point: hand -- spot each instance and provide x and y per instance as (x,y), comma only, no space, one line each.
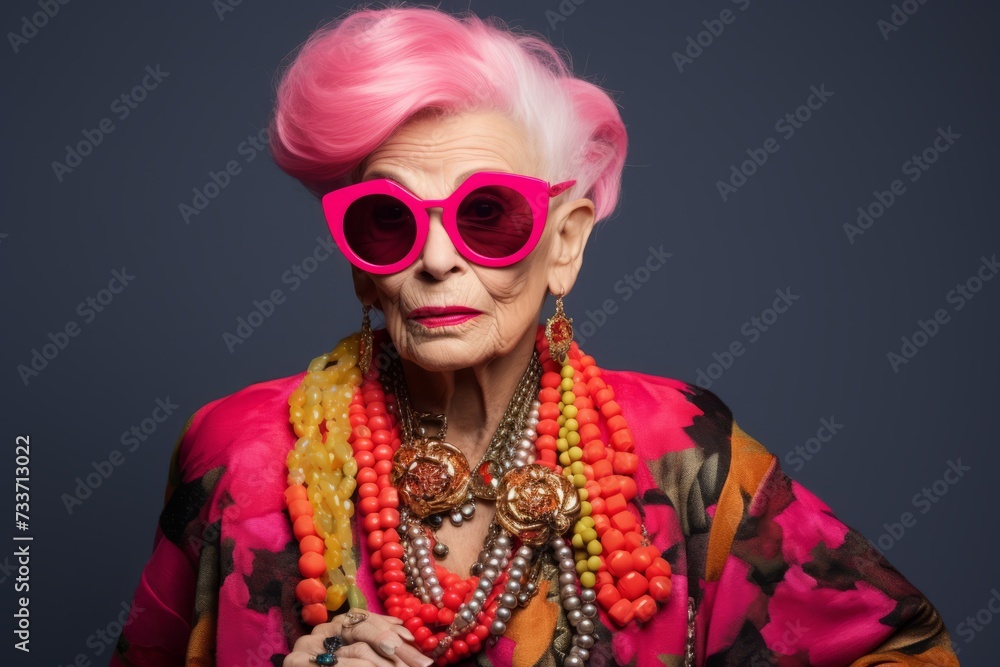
(379,641)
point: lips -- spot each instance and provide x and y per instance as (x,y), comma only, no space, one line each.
(434,316)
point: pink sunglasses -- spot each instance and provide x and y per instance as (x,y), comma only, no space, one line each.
(494,219)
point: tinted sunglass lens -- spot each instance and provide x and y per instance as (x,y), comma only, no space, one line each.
(495,221)
(380,229)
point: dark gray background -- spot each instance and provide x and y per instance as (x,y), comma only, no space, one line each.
(825,357)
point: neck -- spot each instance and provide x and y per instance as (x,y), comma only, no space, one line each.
(473,399)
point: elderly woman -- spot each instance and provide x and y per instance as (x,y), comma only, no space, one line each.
(466,485)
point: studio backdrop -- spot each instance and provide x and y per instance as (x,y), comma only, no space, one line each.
(807,228)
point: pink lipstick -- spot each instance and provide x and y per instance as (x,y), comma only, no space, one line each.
(433,317)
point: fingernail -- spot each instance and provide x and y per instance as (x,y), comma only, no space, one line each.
(387,648)
(406,634)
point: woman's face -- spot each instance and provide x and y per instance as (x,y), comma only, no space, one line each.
(431,156)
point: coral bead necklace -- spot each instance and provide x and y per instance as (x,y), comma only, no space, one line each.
(567,487)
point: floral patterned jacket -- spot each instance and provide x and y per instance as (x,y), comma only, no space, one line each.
(774,578)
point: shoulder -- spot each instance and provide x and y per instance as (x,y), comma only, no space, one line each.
(249,423)
(682,431)
(677,404)
(694,450)
(229,460)
(672,415)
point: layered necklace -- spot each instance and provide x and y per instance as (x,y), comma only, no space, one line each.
(434,475)
(559,468)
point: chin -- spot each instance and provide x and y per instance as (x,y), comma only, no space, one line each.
(439,354)
(451,348)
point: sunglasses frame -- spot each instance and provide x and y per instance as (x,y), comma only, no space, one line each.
(536,192)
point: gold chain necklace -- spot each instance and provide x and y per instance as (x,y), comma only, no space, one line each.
(433,476)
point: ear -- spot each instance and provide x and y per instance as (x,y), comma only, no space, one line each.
(364,287)
(573,220)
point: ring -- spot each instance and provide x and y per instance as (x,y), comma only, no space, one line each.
(354,618)
(328,657)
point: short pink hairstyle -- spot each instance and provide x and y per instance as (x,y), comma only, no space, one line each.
(357,80)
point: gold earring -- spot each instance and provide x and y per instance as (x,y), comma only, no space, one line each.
(559,332)
(367,340)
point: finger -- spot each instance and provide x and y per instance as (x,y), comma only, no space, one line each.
(362,651)
(300,658)
(407,655)
(305,648)
(351,618)
(393,622)
(350,662)
(328,629)
(339,622)
(404,654)
(411,656)
(371,631)
(303,660)
(388,644)
(309,644)
(388,641)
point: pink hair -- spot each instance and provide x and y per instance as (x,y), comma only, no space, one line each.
(357,80)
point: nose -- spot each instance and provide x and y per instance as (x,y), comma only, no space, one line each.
(439,257)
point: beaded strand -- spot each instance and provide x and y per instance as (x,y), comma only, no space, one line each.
(613,556)
(349,430)
(321,478)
